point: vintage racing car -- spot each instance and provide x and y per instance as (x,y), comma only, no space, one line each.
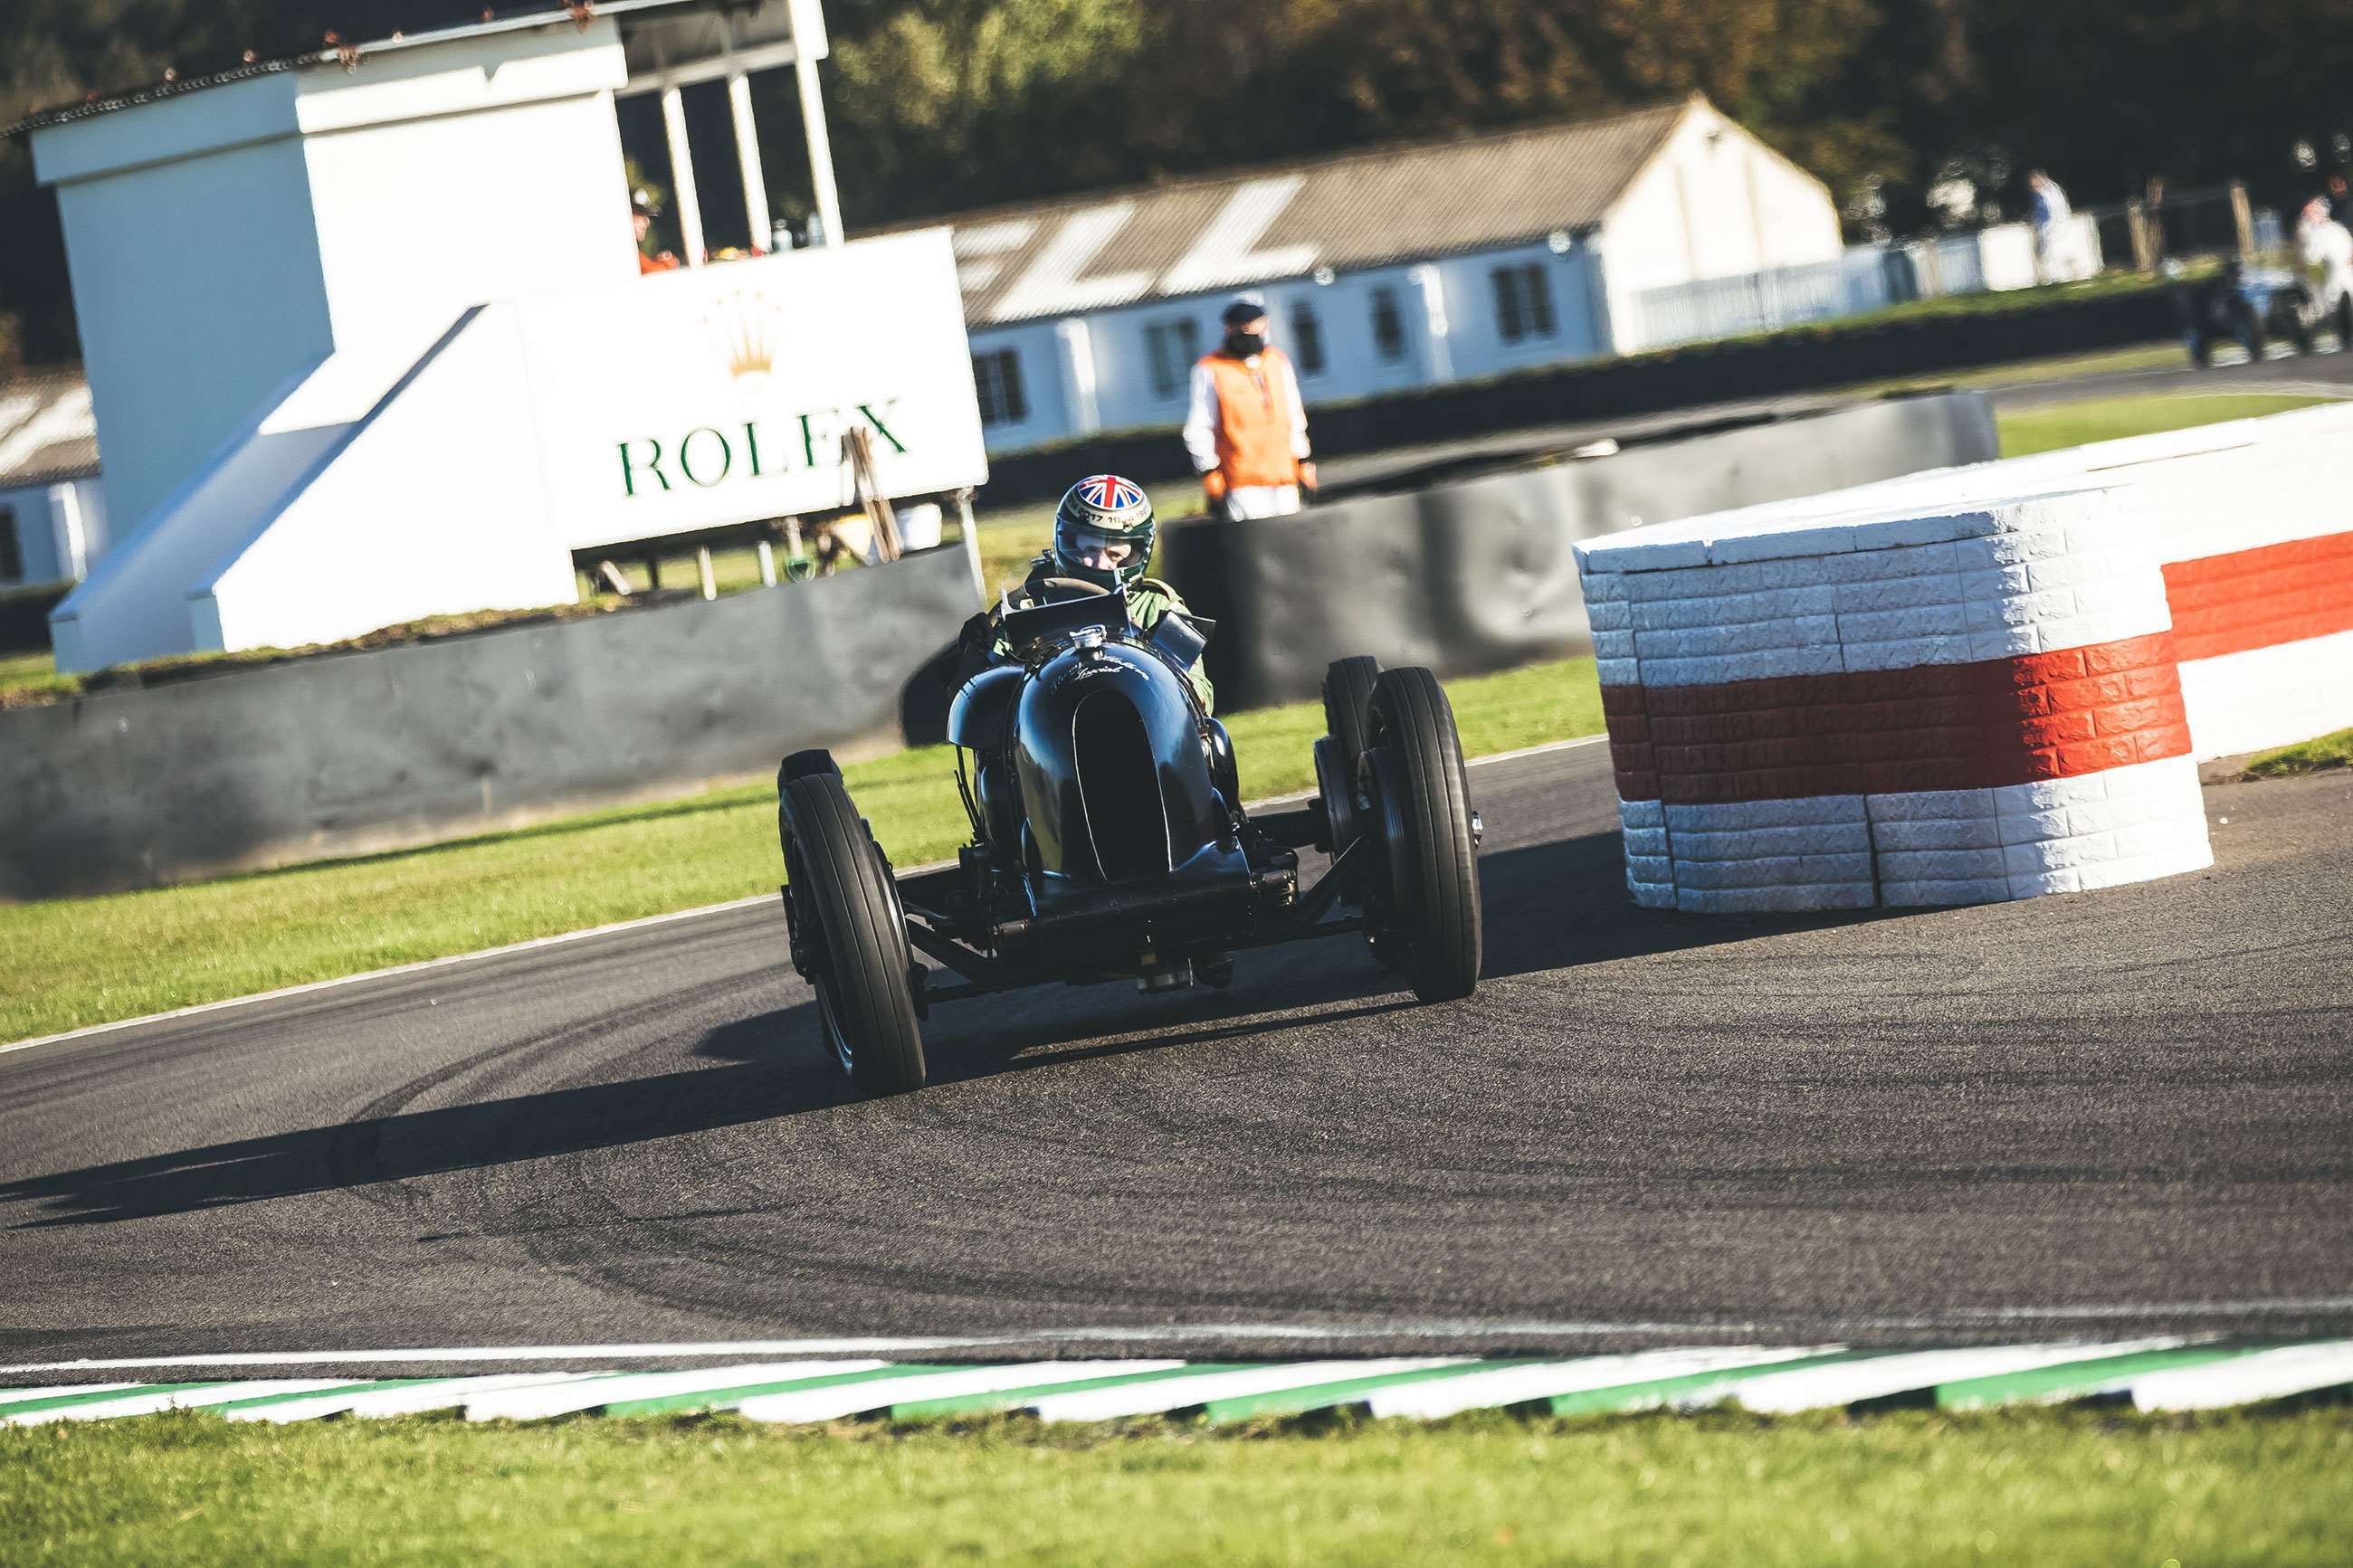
(2253,305)
(1110,841)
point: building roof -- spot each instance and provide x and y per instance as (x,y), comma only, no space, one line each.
(543,13)
(46,433)
(1376,207)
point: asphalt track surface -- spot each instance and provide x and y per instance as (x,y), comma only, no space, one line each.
(2118,1111)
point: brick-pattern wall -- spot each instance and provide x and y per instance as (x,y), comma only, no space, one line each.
(1927,705)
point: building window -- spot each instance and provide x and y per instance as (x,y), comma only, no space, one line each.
(1388,325)
(1173,346)
(12,554)
(997,376)
(1307,339)
(1523,301)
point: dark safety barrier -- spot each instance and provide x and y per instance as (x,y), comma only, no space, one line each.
(1799,360)
(348,754)
(1481,576)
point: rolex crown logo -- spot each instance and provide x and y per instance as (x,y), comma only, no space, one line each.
(745,328)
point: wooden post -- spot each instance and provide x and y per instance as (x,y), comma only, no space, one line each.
(968,532)
(858,451)
(2242,217)
(702,570)
(767,564)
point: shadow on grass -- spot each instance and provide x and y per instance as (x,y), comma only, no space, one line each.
(1548,907)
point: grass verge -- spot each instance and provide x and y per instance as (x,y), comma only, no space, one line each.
(2305,757)
(75,962)
(2046,429)
(2048,1487)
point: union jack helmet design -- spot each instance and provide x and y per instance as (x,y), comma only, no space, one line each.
(1104,532)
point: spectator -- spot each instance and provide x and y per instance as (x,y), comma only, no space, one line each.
(2325,247)
(2340,201)
(1247,431)
(642,213)
(2054,238)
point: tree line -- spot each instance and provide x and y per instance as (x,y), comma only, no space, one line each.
(939,105)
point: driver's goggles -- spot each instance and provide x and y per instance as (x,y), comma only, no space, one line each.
(1091,541)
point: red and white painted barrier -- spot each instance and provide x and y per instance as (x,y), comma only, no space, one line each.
(2253,522)
(1956,707)
(1980,684)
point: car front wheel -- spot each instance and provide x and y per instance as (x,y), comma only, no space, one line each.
(850,935)
(1426,914)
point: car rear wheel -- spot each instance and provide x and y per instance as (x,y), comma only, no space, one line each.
(1426,913)
(850,935)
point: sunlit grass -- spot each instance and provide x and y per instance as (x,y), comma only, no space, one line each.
(74,962)
(2049,1487)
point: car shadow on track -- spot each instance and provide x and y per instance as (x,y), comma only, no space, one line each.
(1564,905)
(1547,906)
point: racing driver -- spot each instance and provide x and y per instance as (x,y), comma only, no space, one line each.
(1102,534)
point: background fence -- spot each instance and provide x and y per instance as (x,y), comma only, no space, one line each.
(2120,237)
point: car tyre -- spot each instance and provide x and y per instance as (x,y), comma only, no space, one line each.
(2248,327)
(803,764)
(1427,912)
(850,935)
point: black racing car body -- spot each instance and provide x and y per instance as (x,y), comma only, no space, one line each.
(1110,841)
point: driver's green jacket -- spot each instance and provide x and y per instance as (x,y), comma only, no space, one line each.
(1148,599)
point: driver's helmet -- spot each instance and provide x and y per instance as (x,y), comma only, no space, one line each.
(1104,512)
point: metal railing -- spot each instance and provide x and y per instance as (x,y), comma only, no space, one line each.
(2119,236)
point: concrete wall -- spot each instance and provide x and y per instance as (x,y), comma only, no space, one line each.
(350,754)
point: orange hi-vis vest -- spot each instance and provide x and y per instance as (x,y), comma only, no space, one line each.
(1254,419)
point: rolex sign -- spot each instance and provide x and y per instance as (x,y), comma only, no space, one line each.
(693,399)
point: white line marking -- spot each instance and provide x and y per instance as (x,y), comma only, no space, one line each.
(439,1394)
(1518,1385)
(853,1399)
(1841,1383)
(615,928)
(1450,1330)
(2273,1375)
(1184,1392)
(593,1393)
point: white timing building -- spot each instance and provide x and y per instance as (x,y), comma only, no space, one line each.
(366,340)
